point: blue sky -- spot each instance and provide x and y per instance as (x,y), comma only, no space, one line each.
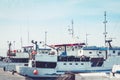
(17,17)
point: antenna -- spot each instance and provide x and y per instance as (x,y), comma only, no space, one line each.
(28,34)
(71,30)
(45,38)
(105,21)
(87,39)
(21,42)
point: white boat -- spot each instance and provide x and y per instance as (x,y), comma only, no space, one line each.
(81,59)
(16,57)
(36,64)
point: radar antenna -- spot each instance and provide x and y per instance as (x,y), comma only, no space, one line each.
(71,30)
(105,21)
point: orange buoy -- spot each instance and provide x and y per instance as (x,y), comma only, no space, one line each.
(35,72)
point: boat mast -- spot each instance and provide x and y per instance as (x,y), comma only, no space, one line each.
(45,38)
(21,42)
(86,39)
(105,21)
(71,29)
(28,34)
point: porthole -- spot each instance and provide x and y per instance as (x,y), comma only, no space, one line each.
(118,53)
(72,49)
(70,63)
(76,63)
(90,52)
(113,51)
(82,64)
(64,64)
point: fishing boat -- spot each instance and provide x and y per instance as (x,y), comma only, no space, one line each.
(70,58)
(16,57)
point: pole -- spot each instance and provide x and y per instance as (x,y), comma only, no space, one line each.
(86,39)
(28,34)
(105,21)
(45,38)
(72,29)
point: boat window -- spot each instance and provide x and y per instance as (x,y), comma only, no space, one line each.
(33,63)
(113,51)
(80,47)
(98,55)
(43,52)
(76,63)
(62,58)
(19,60)
(72,49)
(82,64)
(118,53)
(40,64)
(76,47)
(90,52)
(70,58)
(77,59)
(64,64)
(19,51)
(25,64)
(84,58)
(70,63)
(100,52)
(25,50)
(97,62)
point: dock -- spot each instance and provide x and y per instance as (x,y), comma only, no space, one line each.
(95,76)
(89,76)
(7,75)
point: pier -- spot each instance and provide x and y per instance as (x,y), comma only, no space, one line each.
(7,75)
(96,76)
